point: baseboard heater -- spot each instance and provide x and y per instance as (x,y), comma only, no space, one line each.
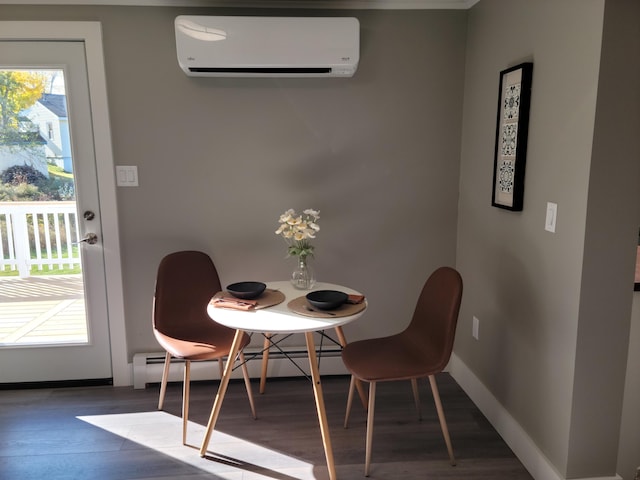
(147,367)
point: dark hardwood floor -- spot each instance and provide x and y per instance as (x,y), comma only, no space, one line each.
(117,433)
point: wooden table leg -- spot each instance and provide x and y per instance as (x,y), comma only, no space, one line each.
(222,389)
(266,346)
(361,391)
(322,414)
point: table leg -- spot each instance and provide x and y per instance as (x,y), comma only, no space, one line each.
(266,346)
(361,391)
(322,414)
(222,389)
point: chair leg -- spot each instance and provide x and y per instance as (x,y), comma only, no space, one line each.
(247,384)
(416,396)
(265,362)
(221,366)
(372,401)
(352,386)
(165,378)
(185,400)
(443,422)
(343,342)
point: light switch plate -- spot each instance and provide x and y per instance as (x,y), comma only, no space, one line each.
(126,176)
(552,213)
(475,329)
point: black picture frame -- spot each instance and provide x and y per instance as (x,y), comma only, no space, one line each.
(514,101)
(636,285)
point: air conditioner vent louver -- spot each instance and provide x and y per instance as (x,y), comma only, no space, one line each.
(259,70)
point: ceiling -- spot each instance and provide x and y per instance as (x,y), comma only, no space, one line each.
(329,4)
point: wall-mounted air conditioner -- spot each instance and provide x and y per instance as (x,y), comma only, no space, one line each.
(227,46)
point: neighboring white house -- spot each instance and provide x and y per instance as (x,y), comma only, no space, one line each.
(27,148)
(50,115)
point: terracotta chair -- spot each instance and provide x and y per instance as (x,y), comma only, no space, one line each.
(422,350)
(185,283)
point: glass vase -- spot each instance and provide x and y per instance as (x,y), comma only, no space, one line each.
(303,277)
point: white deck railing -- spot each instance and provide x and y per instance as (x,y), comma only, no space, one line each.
(35,234)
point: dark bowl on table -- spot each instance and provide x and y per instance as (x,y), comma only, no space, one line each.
(327,299)
(246,290)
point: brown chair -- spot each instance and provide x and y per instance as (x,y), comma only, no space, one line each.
(421,350)
(185,283)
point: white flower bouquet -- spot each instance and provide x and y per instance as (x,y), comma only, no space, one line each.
(297,230)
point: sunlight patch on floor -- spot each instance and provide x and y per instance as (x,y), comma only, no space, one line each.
(228,457)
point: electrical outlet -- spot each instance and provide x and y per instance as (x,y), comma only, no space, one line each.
(476,328)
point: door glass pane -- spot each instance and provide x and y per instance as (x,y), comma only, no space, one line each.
(41,284)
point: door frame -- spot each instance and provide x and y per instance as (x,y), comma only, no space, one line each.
(91,34)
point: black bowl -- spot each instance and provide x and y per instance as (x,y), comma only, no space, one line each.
(327,299)
(246,290)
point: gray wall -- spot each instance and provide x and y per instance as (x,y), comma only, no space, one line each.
(623,27)
(610,248)
(554,309)
(629,445)
(522,282)
(220,159)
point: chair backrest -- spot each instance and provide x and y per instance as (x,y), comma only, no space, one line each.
(185,283)
(433,326)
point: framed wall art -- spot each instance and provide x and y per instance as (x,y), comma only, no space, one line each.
(514,100)
(636,285)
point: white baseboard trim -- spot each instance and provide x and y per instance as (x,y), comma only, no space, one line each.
(147,367)
(509,429)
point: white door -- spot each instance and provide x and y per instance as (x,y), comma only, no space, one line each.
(87,356)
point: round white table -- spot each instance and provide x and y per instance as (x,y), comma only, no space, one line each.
(276,320)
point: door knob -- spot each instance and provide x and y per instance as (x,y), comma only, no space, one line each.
(90,238)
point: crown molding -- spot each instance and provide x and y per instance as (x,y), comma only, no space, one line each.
(315,4)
